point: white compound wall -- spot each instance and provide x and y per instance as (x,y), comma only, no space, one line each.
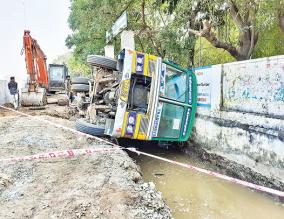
(241,113)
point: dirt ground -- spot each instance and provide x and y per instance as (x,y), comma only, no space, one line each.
(103,185)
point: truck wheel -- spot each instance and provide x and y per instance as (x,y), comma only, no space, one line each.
(80,87)
(83,126)
(102,61)
(80,80)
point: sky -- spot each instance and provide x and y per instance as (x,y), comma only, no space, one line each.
(47,21)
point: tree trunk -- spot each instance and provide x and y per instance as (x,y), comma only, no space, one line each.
(247,42)
(190,61)
(281,20)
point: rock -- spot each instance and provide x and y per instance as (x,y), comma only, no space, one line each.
(152,185)
(136,177)
(63,102)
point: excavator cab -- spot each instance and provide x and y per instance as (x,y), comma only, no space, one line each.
(142,97)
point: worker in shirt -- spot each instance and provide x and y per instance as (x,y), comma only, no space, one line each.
(68,88)
(13,88)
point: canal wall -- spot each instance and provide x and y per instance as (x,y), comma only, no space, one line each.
(5,96)
(240,113)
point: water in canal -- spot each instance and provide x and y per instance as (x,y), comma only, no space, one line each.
(195,195)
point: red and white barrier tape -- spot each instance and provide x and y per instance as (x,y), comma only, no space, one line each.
(58,154)
(60,126)
(188,166)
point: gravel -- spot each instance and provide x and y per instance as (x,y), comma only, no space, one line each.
(103,185)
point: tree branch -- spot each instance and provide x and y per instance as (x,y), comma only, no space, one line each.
(148,30)
(194,32)
(236,15)
(140,42)
(143,14)
(253,32)
(126,6)
(208,34)
(281,19)
(211,37)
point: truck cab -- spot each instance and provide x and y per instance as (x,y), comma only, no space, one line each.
(145,98)
(56,77)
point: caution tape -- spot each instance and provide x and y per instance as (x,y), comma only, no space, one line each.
(61,126)
(188,166)
(61,154)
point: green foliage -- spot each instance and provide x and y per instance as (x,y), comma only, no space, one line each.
(89,21)
(165,31)
(271,42)
(62,59)
(162,36)
(75,66)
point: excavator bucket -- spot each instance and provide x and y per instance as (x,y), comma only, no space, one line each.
(35,98)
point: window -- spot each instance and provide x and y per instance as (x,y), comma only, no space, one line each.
(56,73)
(171,119)
(138,97)
(175,85)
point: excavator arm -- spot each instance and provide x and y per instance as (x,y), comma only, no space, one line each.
(34,94)
(35,63)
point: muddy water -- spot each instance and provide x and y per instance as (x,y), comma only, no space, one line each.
(194,195)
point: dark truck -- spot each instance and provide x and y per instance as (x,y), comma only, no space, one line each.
(56,77)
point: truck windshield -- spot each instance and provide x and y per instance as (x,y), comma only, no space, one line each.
(175,85)
(56,73)
(171,120)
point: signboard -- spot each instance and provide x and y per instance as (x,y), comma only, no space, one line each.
(117,27)
(209,86)
(203,86)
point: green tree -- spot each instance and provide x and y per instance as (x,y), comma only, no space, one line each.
(155,30)
(210,15)
(75,66)
(232,29)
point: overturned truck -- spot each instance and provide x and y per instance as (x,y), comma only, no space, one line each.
(140,96)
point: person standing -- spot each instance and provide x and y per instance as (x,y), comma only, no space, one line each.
(68,88)
(13,88)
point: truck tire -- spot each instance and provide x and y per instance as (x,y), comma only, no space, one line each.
(80,87)
(80,80)
(102,61)
(83,126)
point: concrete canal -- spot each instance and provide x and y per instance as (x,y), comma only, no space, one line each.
(194,195)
